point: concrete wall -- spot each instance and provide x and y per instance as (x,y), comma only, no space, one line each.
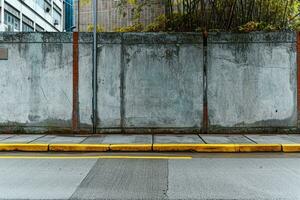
(36,80)
(109,69)
(143,81)
(252,80)
(163,82)
(150,82)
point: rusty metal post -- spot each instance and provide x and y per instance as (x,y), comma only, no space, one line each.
(205,103)
(75,112)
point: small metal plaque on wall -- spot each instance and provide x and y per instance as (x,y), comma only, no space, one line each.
(3,53)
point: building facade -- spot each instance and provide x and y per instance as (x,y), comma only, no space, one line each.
(31,15)
(111,17)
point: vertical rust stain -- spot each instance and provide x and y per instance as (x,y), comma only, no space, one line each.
(75,113)
(298,78)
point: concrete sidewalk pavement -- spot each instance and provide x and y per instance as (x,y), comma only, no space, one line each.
(147,143)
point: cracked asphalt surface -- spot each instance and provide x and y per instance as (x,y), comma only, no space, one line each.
(205,176)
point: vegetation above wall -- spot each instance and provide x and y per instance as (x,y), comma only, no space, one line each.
(214,15)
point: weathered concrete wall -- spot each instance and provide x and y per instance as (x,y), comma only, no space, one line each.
(163,81)
(144,81)
(109,69)
(151,81)
(252,80)
(35,83)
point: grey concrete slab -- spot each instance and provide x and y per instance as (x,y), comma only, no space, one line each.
(127,139)
(251,84)
(94,140)
(271,139)
(225,139)
(232,178)
(45,101)
(54,139)
(163,91)
(41,179)
(183,139)
(125,179)
(44,140)
(22,138)
(295,138)
(5,136)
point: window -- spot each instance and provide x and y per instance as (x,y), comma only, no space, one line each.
(12,10)
(38,28)
(57,16)
(27,24)
(56,7)
(12,22)
(26,28)
(45,5)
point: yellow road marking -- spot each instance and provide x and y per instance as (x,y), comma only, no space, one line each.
(99,157)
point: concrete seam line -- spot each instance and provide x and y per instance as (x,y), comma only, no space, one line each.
(152,147)
(24,147)
(79,147)
(131,147)
(152,141)
(260,147)
(291,148)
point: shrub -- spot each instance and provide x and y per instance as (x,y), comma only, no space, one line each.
(137,27)
(158,25)
(90,28)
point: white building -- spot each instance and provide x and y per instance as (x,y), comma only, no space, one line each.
(31,15)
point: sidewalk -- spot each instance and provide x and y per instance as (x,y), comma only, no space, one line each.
(145,143)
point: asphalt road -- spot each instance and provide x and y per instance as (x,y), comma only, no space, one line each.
(142,176)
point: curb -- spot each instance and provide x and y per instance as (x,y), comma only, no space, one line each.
(247,148)
(200,148)
(291,148)
(25,147)
(131,147)
(79,147)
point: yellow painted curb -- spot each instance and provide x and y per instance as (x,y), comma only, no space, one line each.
(259,147)
(131,147)
(24,147)
(174,147)
(201,148)
(217,148)
(289,148)
(79,147)
(204,148)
